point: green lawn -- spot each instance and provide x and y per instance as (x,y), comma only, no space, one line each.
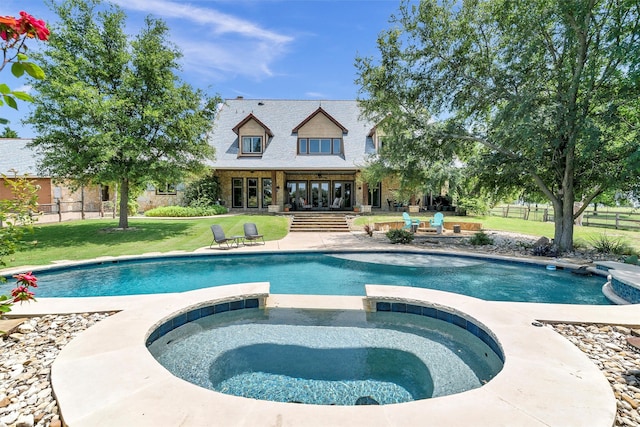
(77,240)
(87,239)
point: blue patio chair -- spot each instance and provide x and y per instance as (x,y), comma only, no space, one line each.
(437,222)
(410,224)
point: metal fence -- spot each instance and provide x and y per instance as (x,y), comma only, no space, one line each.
(604,217)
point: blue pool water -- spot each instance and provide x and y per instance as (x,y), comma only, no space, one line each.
(326,274)
(327,357)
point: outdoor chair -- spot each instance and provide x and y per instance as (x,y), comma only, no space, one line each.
(437,222)
(251,233)
(337,203)
(410,224)
(219,237)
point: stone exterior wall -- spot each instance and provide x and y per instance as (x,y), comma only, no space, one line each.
(279,191)
(149,199)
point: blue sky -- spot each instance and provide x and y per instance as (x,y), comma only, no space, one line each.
(295,49)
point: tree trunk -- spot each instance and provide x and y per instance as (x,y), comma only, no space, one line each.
(124,204)
(563,219)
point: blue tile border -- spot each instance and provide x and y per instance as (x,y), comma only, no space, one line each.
(197,313)
(625,291)
(446,316)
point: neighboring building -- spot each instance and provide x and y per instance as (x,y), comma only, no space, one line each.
(18,160)
(302,153)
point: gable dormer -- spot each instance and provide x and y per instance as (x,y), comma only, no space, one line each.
(377,136)
(253,136)
(320,134)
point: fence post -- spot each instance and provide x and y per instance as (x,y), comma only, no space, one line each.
(59,208)
(617,220)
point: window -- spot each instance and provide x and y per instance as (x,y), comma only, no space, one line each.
(236,192)
(315,146)
(267,197)
(252,192)
(251,145)
(165,189)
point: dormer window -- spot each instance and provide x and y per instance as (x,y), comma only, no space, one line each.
(321,146)
(251,145)
(253,136)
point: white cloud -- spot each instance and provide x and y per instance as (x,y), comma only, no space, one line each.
(231,47)
(221,22)
(23,88)
(315,95)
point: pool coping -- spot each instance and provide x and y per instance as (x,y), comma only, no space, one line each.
(545,381)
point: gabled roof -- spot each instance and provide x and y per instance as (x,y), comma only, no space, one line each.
(281,116)
(250,117)
(320,110)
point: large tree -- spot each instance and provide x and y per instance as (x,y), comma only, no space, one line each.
(542,91)
(113,109)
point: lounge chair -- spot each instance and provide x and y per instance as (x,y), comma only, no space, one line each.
(220,238)
(337,203)
(410,224)
(251,233)
(437,222)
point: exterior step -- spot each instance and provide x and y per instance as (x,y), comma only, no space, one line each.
(308,221)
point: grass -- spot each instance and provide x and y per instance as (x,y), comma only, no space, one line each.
(583,236)
(87,239)
(76,240)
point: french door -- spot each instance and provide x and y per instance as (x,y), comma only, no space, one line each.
(320,194)
(344,190)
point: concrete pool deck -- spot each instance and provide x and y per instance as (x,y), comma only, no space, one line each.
(555,384)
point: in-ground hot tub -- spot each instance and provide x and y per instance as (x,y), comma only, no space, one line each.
(399,353)
(107,376)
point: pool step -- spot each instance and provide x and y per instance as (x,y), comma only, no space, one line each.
(329,222)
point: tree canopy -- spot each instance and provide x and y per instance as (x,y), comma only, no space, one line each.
(113,110)
(531,94)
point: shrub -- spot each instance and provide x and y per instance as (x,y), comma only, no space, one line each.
(185,211)
(632,259)
(606,245)
(474,205)
(399,236)
(481,239)
(203,192)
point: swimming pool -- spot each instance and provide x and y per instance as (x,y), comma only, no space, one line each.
(335,273)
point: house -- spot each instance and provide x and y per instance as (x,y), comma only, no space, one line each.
(18,160)
(302,154)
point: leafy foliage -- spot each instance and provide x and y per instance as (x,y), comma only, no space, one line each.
(16,213)
(185,211)
(605,244)
(400,236)
(113,109)
(203,192)
(481,239)
(8,133)
(540,96)
(14,32)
